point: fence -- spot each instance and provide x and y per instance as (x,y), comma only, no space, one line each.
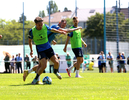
(63,66)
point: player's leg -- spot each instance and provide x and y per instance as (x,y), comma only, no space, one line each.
(70,68)
(54,59)
(51,55)
(79,62)
(27,72)
(40,70)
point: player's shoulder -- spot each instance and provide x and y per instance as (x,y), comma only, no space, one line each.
(55,26)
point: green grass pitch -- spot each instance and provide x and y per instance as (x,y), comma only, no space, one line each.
(100,86)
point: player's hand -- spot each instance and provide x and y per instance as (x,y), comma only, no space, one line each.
(64,49)
(79,27)
(85,45)
(31,53)
(54,42)
(64,33)
(0,36)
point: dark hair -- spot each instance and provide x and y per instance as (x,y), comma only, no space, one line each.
(63,20)
(38,19)
(75,18)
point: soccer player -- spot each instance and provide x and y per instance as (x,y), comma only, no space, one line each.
(39,35)
(51,36)
(76,44)
(0,36)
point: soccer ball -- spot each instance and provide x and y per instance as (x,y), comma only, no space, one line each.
(47,80)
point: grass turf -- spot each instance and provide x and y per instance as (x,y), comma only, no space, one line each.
(101,86)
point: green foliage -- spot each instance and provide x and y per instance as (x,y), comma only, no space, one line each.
(13,31)
(69,22)
(95,25)
(65,9)
(53,7)
(41,13)
(21,18)
(93,86)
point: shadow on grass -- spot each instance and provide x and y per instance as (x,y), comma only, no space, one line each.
(25,84)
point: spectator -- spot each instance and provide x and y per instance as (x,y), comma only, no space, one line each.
(128,60)
(85,63)
(91,64)
(19,61)
(68,59)
(12,63)
(51,66)
(16,68)
(35,61)
(124,59)
(99,64)
(121,62)
(6,59)
(27,60)
(110,58)
(103,62)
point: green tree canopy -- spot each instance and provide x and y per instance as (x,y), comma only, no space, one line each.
(53,7)
(95,26)
(12,31)
(41,14)
(21,18)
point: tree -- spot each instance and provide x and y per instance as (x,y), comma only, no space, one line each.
(21,18)
(12,31)
(95,26)
(41,13)
(65,9)
(53,7)
(69,22)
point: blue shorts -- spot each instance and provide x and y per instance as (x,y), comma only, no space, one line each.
(78,52)
(46,54)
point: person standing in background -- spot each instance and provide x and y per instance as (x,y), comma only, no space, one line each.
(99,64)
(68,59)
(19,65)
(103,62)
(27,60)
(110,58)
(12,63)
(121,62)
(6,59)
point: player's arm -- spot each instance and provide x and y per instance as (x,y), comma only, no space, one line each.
(30,45)
(69,30)
(54,42)
(66,43)
(58,31)
(30,36)
(84,42)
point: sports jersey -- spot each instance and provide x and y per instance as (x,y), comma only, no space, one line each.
(75,38)
(40,47)
(51,35)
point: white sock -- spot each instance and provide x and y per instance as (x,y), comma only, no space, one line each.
(77,72)
(30,70)
(70,68)
(39,78)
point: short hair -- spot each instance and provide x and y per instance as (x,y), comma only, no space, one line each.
(64,21)
(75,18)
(38,19)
